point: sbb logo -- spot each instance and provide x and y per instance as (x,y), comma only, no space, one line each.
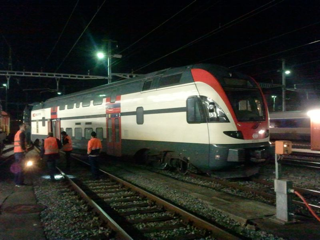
(36,114)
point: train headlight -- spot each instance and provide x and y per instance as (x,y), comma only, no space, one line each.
(234,134)
(264,133)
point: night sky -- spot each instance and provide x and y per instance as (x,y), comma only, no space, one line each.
(250,36)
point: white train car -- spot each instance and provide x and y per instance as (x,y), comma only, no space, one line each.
(290,125)
(204,115)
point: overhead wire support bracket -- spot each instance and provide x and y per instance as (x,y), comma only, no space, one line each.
(50,75)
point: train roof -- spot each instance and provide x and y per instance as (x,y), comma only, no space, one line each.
(135,84)
(288,115)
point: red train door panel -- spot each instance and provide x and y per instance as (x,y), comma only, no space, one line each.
(54,124)
(113,127)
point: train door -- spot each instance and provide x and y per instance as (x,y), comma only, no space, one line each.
(54,125)
(113,126)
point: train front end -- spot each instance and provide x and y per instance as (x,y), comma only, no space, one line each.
(237,118)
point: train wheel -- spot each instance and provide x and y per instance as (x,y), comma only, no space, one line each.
(141,156)
(180,164)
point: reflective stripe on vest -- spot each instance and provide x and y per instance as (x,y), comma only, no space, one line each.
(50,146)
(94,146)
(17,146)
(68,146)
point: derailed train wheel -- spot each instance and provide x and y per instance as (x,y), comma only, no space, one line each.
(180,164)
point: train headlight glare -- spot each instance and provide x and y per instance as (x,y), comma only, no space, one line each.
(262,131)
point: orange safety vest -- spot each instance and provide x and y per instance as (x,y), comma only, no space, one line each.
(67,147)
(94,146)
(17,146)
(50,146)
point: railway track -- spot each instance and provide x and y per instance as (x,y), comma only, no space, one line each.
(234,185)
(268,194)
(134,213)
(302,159)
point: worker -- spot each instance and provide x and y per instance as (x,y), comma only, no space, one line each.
(67,148)
(94,149)
(50,153)
(20,148)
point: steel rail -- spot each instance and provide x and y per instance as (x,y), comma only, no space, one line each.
(266,195)
(122,234)
(217,232)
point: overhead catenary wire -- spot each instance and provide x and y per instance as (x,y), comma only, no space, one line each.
(64,28)
(219,29)
(264,41)
(273,54)
(161,24)
(80,36)
(137,50)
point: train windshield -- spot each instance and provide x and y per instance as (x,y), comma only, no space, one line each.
(247,104)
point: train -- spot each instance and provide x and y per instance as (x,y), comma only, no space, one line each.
(290,125)
(199,116)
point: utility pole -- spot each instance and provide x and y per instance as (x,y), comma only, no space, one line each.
(109,57)
(109,62)
(10,60)
(283,85)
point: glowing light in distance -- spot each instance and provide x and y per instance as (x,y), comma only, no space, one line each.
(101,55)
(314,113)
(287,72)
(262,131)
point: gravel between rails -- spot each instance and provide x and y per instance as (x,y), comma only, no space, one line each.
(66,216)
(188,202)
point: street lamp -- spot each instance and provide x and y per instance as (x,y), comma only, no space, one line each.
(6,86)
(102,55)
(284,73)
(274,102)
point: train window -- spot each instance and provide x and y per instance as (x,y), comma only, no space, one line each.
(62,106)
(247,104)
(238,83)
(140,115)
(43,122)
(195,113)
(147,85)
(213,111)
(69,131)
(78,133)
(37,126)
(109,123)
(70,104)
(170,80)
(99,132)
(116,123)
(86,102)
(113,97)
(87,133)
(78,103)
(98,99)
